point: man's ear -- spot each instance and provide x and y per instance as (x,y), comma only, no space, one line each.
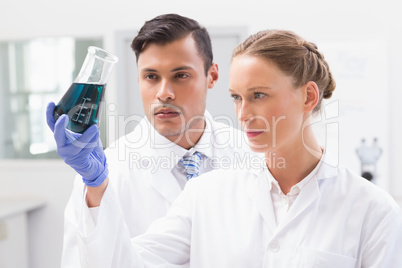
(213,75)
(312,96)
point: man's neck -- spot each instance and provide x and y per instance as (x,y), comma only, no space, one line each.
(191,136)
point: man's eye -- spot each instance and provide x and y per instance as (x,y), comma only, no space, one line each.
(181,75)
(150,76)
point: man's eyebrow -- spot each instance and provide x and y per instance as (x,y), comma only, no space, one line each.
(181,68)
(148,70)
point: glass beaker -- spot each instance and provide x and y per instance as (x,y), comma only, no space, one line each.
(82,101)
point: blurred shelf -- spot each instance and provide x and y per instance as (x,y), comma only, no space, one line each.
(10,206)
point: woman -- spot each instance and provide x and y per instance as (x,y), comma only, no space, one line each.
(297,211)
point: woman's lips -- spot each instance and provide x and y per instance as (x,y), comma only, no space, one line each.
(252,134)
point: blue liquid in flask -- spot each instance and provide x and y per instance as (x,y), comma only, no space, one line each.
(81,103)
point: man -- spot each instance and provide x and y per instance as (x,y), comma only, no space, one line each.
(176,141)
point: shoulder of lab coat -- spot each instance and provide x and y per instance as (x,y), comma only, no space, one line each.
(346,195)
(168,240)
(381,231)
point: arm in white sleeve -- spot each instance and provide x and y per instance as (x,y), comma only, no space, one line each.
(80,229)
(94,213)
(108,244)
(383,248)
(72,213)
(167,241)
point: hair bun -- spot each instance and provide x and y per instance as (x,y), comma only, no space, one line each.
(294,56)
(330,88)
(310,46)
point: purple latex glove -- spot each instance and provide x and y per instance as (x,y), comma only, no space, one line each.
(84,153)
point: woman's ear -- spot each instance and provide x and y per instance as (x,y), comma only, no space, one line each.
(213,75)
(312,96)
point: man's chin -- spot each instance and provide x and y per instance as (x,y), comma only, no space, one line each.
(169,132)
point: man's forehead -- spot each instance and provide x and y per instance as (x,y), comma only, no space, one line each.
(175,69)
(181,54)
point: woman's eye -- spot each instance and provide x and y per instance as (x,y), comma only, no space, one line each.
(235,97)
(259,95)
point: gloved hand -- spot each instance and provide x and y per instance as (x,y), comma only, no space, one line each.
(84,153)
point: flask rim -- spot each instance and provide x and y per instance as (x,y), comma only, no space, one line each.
(109,57)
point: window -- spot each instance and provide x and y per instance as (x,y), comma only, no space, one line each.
(33,73)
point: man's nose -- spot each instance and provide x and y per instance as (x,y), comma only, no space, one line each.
(165,91)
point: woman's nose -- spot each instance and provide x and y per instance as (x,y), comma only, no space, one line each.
(243,112)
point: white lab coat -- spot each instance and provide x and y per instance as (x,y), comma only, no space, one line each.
(142,181)
(225,219)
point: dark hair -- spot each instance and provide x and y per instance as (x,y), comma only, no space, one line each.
(167,28)
(292,55)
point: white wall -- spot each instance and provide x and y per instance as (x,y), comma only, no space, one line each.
(342,20)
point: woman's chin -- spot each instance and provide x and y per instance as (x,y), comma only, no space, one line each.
(259,148)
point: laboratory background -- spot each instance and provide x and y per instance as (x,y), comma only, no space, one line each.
(42,47)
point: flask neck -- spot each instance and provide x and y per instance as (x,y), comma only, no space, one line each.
(97,67)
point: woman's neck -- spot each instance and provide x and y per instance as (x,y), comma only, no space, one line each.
(297,160)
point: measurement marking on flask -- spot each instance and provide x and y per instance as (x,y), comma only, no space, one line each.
(81,103)
(90,114)
(82,112)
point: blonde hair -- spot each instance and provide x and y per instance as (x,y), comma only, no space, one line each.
(294,56)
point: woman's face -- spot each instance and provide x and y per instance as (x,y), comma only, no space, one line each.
(267,104)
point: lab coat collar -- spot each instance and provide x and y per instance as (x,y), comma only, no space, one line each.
(301,184)
(259,192)
(162,179)
(157,157)
(204,145)
(311,190)
(328,167)
(165,147)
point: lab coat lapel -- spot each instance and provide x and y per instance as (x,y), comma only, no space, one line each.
(305,199)
(157,153)
(310,193)
(259,192)
(165,183)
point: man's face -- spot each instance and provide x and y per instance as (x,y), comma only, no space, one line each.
(174,87)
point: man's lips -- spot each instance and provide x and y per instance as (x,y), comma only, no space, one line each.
(166,113)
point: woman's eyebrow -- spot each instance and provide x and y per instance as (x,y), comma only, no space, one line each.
(259,87)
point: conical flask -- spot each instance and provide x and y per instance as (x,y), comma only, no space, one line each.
(82,101)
